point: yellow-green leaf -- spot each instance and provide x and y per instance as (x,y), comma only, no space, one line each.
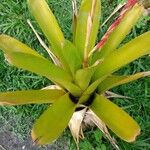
(124,55)
(83,77)
(87,25)
(30,97)
(120,32)
(71,56)
(53,121)
(48,24)
(24,57)
(90,90)
(116,118)
(113,81)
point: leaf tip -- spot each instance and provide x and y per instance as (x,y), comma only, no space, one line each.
(145,74)
(2,104)
(35,138)
(134,137)
(5,104)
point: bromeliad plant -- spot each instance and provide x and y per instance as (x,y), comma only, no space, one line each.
(81,71)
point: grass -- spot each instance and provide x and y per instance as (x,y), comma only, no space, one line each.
(18,120)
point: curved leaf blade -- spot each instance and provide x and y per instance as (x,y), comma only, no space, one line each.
(124,55)
(71,56)
(90,90)
(127,21)
(24,57)
(50,28)
(83,77)
(30,97)
(113,81)
(48,24)
(115,118)
(87,25)
(47,69)
(53,121)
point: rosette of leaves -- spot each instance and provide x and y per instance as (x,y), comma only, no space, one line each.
(81,72)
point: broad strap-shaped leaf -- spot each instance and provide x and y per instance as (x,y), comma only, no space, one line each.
(115,118)
(87,25)
(124,55)
(71,56)
(120,57)
(53,121)
(90,90)
(30,97)
(48,24)
(83,77)
(122,26)
(72,88)
(114,80)
(24,57)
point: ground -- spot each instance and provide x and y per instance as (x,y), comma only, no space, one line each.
(16,122)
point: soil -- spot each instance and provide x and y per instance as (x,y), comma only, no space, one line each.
(10,142)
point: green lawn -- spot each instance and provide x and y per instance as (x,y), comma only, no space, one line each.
(18,120)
